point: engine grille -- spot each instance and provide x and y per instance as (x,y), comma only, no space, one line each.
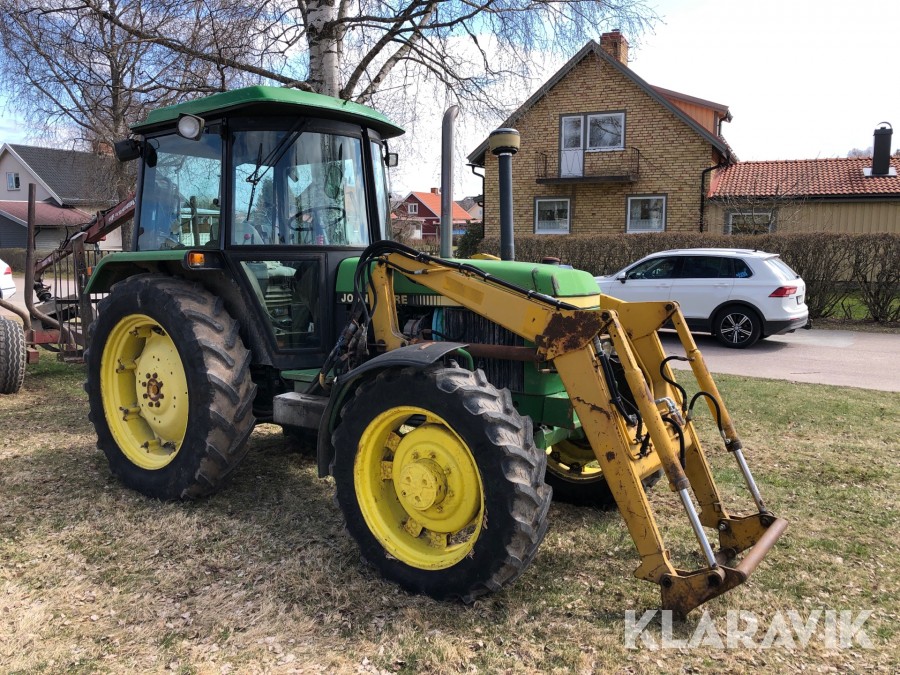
(464,326)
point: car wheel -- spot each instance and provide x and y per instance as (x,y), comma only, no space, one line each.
(738,327)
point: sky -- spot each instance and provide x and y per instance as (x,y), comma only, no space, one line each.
(802,79)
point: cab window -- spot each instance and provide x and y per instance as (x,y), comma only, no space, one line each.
(181,191)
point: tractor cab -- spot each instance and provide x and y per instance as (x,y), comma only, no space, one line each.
(278,186)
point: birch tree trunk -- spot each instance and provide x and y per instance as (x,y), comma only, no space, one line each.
(324,39)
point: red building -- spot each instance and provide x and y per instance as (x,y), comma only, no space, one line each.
(421,213)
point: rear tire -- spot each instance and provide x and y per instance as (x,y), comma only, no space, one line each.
(169,387)
(439,481)
(576,477)
(12,356)
(737,327)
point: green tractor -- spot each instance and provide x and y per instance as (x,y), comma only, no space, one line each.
(448,399)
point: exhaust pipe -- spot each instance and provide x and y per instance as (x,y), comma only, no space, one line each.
(504,143)
(447,181)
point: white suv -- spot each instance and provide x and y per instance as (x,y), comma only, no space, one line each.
(738,295)
(7,285)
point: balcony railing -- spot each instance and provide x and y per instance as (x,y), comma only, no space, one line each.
(615,166)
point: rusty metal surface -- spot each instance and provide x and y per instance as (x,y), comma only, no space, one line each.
(687,590)
(567,332)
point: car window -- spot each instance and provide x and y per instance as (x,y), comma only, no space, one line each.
(705,267)
(741,269)
(656,268)
(783,267)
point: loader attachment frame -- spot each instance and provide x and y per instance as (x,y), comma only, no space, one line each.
(628,447)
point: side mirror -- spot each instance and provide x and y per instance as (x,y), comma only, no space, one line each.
(621,278)
(391,160)
(127,150)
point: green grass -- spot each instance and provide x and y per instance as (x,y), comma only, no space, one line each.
(262,578)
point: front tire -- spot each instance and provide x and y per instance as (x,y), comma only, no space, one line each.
(440,482)
(12,356)
(169,387)
(738,327)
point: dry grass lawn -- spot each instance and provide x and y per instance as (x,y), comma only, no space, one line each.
(263,579)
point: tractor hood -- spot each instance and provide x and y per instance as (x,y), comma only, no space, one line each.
(552,280)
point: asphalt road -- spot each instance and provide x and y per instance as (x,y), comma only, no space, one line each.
(838,357)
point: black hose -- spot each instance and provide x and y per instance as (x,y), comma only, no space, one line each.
(662,372)
(715,405)
(612,385)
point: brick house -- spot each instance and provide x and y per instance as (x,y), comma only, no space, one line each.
(839,194)
(602,151)
(69,187)
(421,213)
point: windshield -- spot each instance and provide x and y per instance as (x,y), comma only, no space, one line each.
(298,187)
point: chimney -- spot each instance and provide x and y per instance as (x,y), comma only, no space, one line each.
(435,191)
(615,44)
(881,157)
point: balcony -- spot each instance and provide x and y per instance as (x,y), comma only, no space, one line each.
(618,166)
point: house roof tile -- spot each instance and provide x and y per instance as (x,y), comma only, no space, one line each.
(75,177)
(45,215)
(432,202)
(832,177)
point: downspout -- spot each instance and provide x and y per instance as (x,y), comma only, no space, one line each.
(472,167)
(725,162)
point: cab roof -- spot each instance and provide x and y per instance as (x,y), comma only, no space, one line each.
(281,100)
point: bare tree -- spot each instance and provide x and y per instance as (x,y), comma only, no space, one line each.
(71,65)
(354,49)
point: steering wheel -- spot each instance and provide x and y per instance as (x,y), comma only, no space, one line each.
(329,230)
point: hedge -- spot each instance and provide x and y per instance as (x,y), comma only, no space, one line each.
(837,268)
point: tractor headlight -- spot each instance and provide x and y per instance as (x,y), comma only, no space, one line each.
(190,126)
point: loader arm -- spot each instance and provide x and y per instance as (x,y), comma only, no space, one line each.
(574,340)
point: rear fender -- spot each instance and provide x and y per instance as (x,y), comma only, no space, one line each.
(419,356)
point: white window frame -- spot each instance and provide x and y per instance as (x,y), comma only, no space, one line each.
(12,181)
(416,231)
(412,209)
(629,229)
(603,148)
(768,213)
(568,222)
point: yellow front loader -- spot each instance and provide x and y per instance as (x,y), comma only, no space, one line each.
(395,472)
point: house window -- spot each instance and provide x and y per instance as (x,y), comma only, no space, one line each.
(750,222)
(551,216)
(12,181)
(412,209)
(606,131)
(646,214)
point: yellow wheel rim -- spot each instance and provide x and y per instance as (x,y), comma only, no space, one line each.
(574,461)
(144,389)
(419,488)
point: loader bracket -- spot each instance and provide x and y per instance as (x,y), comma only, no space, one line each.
(684,591)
